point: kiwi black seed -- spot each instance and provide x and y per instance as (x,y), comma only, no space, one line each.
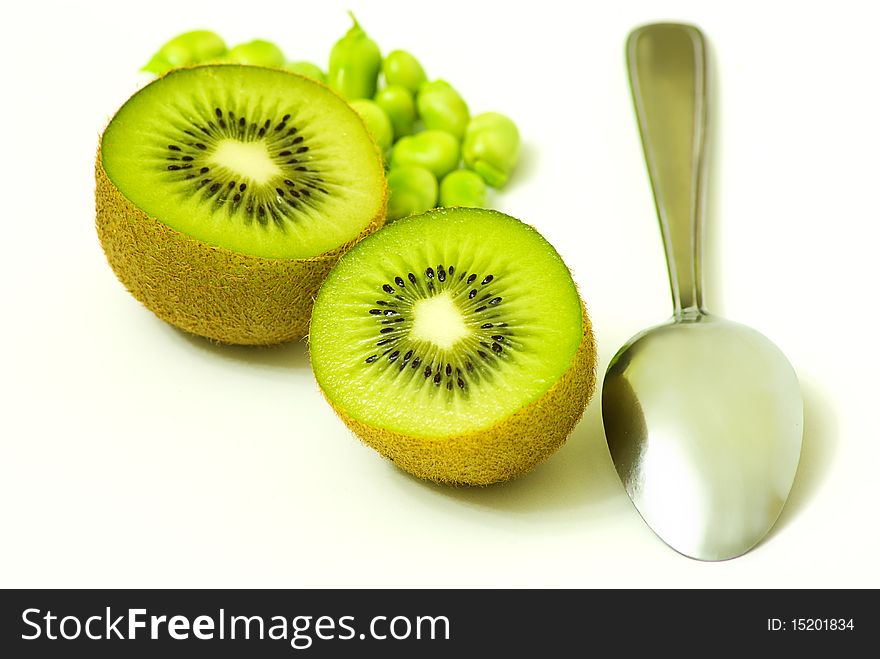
(492,339)
(215,185)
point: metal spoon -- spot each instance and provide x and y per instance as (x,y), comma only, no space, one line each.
(703,416)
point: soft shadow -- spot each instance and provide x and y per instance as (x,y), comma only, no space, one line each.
(713,289)
(526,167)
(817,454)
(293,354)
(579,476)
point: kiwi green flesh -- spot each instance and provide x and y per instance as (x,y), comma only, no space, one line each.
(445,323)
(258,161)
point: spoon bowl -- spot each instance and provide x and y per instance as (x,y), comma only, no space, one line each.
(704,422)
(703,416)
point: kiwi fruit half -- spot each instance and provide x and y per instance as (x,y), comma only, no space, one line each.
(456,344)
(225,193)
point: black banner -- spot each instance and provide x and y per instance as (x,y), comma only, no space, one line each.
(428,623)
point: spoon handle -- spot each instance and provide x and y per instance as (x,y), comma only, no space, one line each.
(667,74)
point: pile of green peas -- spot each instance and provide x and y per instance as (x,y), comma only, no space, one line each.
(436,153)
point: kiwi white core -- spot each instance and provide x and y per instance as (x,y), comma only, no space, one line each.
(438,320)
(246,160)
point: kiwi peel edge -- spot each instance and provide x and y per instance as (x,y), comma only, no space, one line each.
(207,290)
(505,450)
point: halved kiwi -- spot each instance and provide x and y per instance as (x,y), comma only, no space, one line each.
(456,344)
(225,194)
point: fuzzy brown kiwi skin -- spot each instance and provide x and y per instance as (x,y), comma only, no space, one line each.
(508,449)
(206,290)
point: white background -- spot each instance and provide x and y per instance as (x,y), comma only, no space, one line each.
(135,455)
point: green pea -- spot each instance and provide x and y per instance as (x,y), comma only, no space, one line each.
(307,69)
(413,190)
(442,108)
(463,188)
(257,53)
(435,150)
(399,106)
(354,64)
(491,147)
(378,123)
(186,49)
(401,68)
